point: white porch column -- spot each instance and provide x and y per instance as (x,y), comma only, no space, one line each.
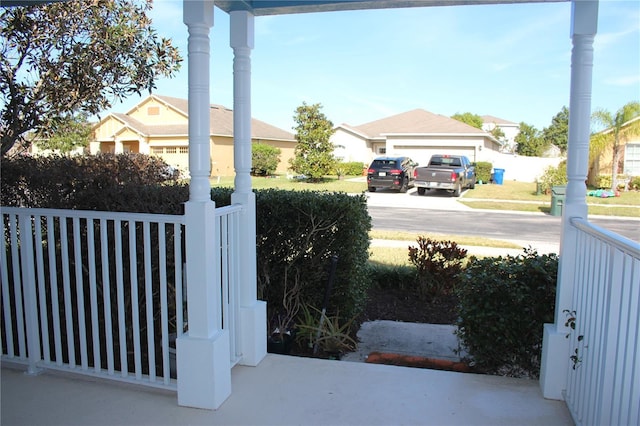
(118,147)
(555,350)
(253,313)
(203,361)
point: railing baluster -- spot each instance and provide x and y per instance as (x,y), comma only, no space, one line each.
(82,324)
(27,262)
(93,295)
(148,285)
(53,286)
(17,287)
(6,301)
(66,282)
(122,326)
(135,310)
(42,295)
(106,293)
(164,307)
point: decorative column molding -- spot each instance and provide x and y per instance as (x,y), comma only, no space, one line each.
(252,322)
(203,360)
(555,350)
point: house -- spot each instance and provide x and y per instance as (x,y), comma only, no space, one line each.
(158,125)
(589,353)
(509,128)
(629,159)
(417,134)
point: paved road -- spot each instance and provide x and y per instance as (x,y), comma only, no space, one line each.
(440,213)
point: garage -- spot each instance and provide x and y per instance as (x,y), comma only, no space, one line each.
(421,155)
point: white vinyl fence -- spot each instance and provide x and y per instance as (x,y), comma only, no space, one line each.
(101,293)
(603,386)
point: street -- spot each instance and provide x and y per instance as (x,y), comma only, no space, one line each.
(442,214)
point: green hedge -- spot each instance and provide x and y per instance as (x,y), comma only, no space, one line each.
(483,171)
(297,232)
(504,303)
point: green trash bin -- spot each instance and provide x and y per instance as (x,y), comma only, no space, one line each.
(557,200)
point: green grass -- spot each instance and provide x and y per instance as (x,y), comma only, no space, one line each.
(463,240)
(329,183)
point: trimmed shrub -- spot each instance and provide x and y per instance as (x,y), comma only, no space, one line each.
(483,171)
(389,276)
(264,159)
(504,303)
(553,176)
(298,232)
(352,168)
(438,264)
(634,183)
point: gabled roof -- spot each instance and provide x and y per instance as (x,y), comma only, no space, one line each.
(417,121)
(496,120)
(221,121)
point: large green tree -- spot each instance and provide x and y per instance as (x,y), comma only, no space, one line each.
(529,141)
(469,118)
(558,131)
(314,152)
(618,129)
(67,58)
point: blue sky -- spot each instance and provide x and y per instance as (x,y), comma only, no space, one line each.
(509,61)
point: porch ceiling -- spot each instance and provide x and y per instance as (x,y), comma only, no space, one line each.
(284,7)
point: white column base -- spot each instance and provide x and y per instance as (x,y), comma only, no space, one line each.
(253,332)
(554,362)
(204,372)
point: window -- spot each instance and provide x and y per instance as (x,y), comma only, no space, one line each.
(183,150)
(170,150)
(382,151)
(632,159)
(157,150)
(153,110)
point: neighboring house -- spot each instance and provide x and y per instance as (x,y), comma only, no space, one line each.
(158,125)
(509,128)
(417,134)
(629,164)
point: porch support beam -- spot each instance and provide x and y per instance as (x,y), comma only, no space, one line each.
(203,360)
(555,351)
(252,321)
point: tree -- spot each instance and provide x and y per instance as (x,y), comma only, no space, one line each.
(618,129)
(264,158)
(74,57)
(558,131)
(528,141)
(470,119)
(72,132)
(314,152)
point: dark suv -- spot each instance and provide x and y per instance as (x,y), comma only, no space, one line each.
(391,172)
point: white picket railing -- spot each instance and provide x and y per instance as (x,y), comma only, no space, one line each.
(101,293)
(603,386)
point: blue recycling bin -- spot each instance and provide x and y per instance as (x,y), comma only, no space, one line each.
(498,175)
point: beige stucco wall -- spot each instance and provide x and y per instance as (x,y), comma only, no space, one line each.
(165,115)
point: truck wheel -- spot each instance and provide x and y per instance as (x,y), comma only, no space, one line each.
(456,192)
(473,184)
(421,191)
(372,189)
(405,185)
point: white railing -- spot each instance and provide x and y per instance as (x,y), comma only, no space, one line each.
(101,293)
(603,387)
(227,238)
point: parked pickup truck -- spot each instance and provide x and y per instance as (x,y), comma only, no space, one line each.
(450,172)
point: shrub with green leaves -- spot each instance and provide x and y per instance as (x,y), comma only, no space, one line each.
(553,176)
(438,264)
(634,183)
(483,171)
(264,159)
(352,168)
(503,304)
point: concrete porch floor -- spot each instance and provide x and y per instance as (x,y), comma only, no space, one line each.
(286,390)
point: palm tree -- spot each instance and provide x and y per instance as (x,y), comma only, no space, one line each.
(619,128)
